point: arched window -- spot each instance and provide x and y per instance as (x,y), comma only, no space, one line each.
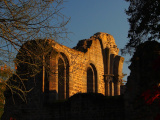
(66,62)
(61,79)
(89,80)
(92,82)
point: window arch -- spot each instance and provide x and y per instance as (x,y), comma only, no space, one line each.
(63,76)
(92,82)
(61,79)
(66,62)
(89,80)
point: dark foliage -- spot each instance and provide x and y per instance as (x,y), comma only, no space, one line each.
(144,20)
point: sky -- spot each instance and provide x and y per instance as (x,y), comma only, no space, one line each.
(91,16)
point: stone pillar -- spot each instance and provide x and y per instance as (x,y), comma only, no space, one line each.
(53,93)
(107,72)
(107,52)
(43,76)
(107,90)
(117,85)
(112,56)
(117,88)
(65,82)
(111,88)
(108,80)
(118,66)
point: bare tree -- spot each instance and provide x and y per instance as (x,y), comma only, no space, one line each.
(24,20)
(27,20)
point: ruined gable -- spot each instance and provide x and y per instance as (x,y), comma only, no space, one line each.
(92,66)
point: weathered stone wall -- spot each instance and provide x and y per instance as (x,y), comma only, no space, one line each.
(144,78)
(99,53)
(79,62)
(95,60)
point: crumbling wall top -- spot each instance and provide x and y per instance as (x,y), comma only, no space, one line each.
(106,40)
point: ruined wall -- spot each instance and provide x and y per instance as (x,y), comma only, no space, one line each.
(93,66)
(99,53)
(79,62)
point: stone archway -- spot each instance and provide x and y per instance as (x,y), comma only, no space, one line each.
(92,82)
(66,63)
(89,80)
(61,79)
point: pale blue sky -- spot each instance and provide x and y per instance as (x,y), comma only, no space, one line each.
(92,16)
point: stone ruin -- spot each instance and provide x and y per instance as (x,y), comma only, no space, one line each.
(87,101)
(93,66)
